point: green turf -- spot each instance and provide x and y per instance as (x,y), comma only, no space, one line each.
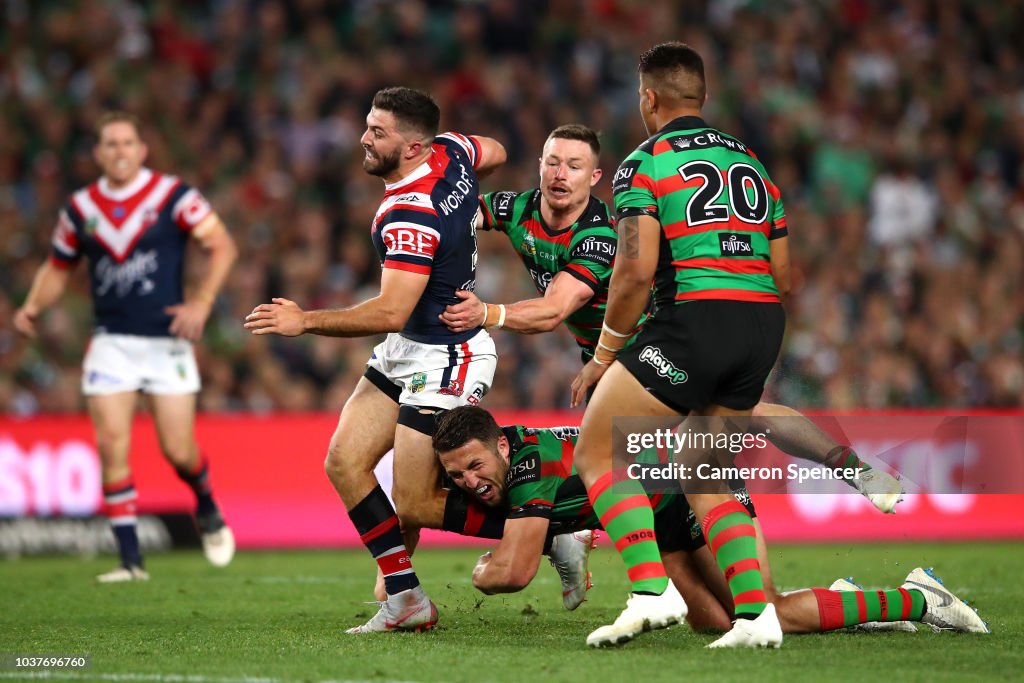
(280,616)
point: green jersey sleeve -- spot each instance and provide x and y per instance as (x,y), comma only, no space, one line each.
(592,249)
(779,226)
(633,186)
(498,209)
(529,492)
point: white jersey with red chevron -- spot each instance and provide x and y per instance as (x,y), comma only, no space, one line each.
(134,240)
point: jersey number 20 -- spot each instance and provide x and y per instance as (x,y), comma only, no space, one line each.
(749,207)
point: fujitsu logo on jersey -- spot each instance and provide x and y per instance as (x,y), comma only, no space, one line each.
(733,244)
(121,277)
(592,245)
(451,203)
(624,173)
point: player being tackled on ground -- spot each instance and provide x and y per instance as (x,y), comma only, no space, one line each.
(425,237)
(566,239)
(133,226)
(529,474)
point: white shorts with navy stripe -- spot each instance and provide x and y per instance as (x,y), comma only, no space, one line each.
(125,362)
(440,375)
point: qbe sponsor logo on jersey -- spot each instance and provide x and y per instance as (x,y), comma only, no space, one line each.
(653,356)
(409,241)
(735,244)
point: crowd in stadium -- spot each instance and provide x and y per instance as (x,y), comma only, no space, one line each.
(895,131)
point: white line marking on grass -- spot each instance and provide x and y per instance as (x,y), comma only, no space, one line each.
(162,678)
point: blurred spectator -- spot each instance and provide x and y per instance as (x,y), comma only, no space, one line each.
(901,161)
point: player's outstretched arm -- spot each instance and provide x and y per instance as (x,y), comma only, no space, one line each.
(636,261)
(564,296)
(400,291)
(189,318)
(513,564)
(47,287)
(492,155)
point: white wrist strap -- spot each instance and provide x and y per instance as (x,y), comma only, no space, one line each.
(614,333)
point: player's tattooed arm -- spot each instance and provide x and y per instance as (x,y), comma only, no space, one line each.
(629,237)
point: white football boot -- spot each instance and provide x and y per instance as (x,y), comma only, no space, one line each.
(410,610)
(850,585)
(569,555)
(642,613)
(218,540)
(881,488)
(123,574)
(943,611)
(765,631)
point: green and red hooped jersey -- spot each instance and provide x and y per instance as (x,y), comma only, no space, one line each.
(542,482)
(718,211)
(585,250)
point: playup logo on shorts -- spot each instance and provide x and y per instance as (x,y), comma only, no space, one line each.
(652,356)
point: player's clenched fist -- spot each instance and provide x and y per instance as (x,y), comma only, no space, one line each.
(282,317)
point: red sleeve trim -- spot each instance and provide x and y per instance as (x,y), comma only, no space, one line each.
(408,267)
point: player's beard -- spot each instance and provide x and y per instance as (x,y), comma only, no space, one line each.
(381,165)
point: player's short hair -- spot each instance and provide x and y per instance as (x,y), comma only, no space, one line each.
(675,70)
(411,108)
(109,117)
(459,426)
(577,131)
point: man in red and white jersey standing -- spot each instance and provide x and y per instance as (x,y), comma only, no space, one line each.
(133,226)
(425,236)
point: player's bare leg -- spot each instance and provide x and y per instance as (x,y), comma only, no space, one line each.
(365,432)
(174,416)
(625,510)
(708,610)
(419,499)
(416,476)
(111,416)
(799,436)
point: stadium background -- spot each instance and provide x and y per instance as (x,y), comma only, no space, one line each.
(895,130)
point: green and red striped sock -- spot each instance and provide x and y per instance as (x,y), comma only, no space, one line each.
(731,536)
(844,457)
(626,515)
(839,609)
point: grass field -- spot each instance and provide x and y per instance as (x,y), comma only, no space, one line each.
(280,617)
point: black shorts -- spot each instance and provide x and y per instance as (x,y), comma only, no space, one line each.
(707,352)
(677,527)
